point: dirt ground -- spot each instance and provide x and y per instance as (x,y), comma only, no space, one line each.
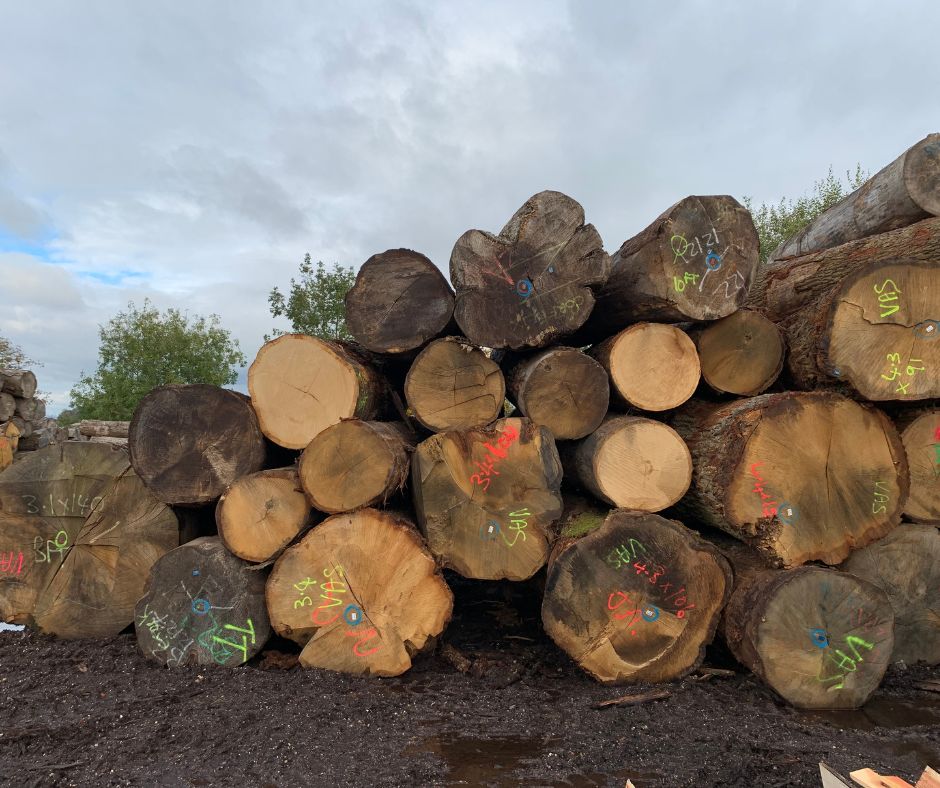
(517,712)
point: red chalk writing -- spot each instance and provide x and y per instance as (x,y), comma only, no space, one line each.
(487,468)
(768,504)
(11,564)
(635,556)
(352,615)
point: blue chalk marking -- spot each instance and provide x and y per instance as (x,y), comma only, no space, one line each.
(819,637)
(927,329)
(352,615)
(651,613)
(524,288)
(787,513)
(195,573)
(201,606)
(712,256)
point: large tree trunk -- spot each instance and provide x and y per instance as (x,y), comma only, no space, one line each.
(399,302)
(652,366)
(694,262)
(906,566)
(453,385)
(563,389)
(83,532)
(533,283)
(189,443)
(904,192)
(740,354)
(355,464)
(360,594)
(18,382)
(262,513)
(633,463)
(202,606)
(821,639)
(799,476)
(300,385)
(920,433)
(862,316)
(637,599)
(486,498)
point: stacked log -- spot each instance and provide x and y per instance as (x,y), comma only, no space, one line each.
(23,422)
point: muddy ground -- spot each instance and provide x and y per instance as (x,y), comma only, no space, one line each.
(517,713)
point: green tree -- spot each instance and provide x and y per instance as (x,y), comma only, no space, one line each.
(13,357)
(776,223)
(315,303)
(144,348)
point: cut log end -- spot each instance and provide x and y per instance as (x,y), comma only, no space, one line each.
(921,439)
(741,354)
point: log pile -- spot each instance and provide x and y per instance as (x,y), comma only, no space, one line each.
(23,423)
(677,466)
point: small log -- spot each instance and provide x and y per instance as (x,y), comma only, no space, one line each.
(202,606)
(300,385)
(652,366)
(37,439)
(7,406)
(563,389)
(189,443)
(262,513)
(355,464)
(24,427)
(740,354)
(399,302)
(31,409)
(798,476)
(904,192)
(635,600)
(906,566)
(360,593)
(486,498)
(799,632)
(18,382)
(79,533)
(920,433)
(453,385)
(94,428)
(694,262)
(534,282)
(633,463)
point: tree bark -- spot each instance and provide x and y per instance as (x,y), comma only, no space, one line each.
(652,366)
(93,428)
(486,498)
(400,301)
(904,192)
(563,389)
(920,433)
(300,385)
(80,532)
(452,385)
(740,354)
(18,382)
(261,513)
(906,566)
(799,476)
(355,464)
(360,593)
(633,463)
(534,282)
(637,599)
(821,639)
(202,606)
(189,443)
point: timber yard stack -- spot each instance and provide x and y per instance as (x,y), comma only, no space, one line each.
(697,445)
(23,422)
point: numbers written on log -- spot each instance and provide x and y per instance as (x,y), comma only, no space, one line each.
(486,498)
(202,606)
(638,599)
(921,437)
(799,476)
(360,594)
(532,283)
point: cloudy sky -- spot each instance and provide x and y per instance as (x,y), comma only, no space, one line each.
(193,152)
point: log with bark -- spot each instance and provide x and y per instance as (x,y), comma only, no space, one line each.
(906,566)
(821,639)
(904,192)
(652,366)
(300,385)
(741,354)
(399,302)
(920,433)
(7,406)
(637,599)
(78,534)
(486,498)
(694,262)
(633,463)
(355,464)
(563,389)
(453,385)
(799,476)
(535,281)
(94,428)
(18,382)
(863,317)
(360,593)
(31,409)
(202,606)
(261,513)
(189,443)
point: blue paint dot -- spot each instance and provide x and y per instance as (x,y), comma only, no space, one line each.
(352,615)
(651,613)
(819,637)
(201,606)
(195,573)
